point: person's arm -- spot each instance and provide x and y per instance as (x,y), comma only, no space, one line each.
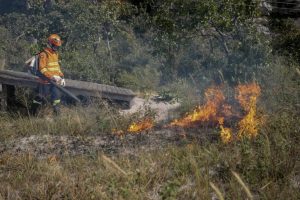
(43,60)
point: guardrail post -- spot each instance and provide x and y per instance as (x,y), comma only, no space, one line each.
(3,97)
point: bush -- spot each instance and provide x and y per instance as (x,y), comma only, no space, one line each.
(143,79)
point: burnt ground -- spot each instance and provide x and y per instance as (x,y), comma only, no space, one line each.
(42,146)
(158,137)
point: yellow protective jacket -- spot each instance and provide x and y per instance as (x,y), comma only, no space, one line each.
(48,63)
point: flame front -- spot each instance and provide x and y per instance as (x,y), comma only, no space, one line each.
(225,133)
(208,112)
(247,96)
(216,110)
(136,127)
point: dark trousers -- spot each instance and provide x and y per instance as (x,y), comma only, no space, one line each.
(44,91)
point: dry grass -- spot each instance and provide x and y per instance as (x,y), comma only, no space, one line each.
(266,167)
(243,184)
(72,121)
(217,190)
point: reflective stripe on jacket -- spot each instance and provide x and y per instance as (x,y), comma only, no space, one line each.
(48,63)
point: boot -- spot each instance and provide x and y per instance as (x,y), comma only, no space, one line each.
(56,106)
(35,108)
(56,110)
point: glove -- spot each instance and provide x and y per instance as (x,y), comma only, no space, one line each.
(55,78)
(63,82)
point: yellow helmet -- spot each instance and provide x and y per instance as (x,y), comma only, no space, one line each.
(54,40)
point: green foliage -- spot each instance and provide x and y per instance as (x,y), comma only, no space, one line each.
(184,92)
(223,36)
(5,35)
(180,47)
(12,56)
(108,40)
(85,65)
(287,38)
(143,79)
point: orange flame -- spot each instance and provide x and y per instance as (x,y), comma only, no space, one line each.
(214,97)
(136,127)
(248,125)
(225,133)
(244,94)
(216,110)
(247,96)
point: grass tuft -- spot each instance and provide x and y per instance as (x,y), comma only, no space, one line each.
(217,190)
(243,184)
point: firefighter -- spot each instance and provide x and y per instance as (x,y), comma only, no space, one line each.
(49,68)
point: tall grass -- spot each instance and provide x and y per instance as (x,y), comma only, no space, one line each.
(96,118)
(172,173)
(266,167)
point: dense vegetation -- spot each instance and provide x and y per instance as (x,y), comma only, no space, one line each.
(178,46)
(115,42)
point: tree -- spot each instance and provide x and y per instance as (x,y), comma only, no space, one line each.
(226,27)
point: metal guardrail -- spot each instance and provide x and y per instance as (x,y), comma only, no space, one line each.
(78,88)
(281,7)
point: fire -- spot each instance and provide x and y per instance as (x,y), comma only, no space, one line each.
(225,133)
(247,96)
(210,112)
(244,94)
(136,127)
(213,97)
(216,110)
(248,125)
